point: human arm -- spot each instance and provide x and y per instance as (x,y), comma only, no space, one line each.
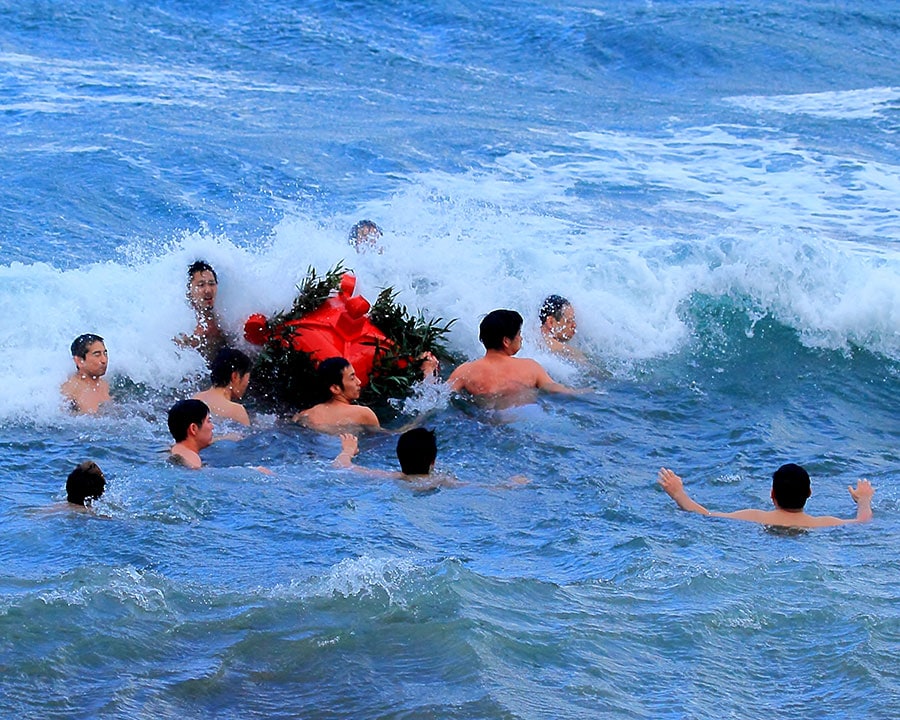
(430,367)
(457,379)
(674,488)
(544,382)
(862,496)
(349,448)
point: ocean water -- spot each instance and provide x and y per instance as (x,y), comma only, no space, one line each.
(714,186)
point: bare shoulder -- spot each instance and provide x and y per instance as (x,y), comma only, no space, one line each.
(460,373)
(365,416)
(765,517)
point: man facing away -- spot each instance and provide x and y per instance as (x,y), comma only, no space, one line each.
(790,491)
(85,389)
(85,484)
(230,376)
(499,374)
(416,452)
(338,381)
(558,327)
(192,429)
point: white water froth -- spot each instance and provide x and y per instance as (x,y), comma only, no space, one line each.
(865,103)
(793,241)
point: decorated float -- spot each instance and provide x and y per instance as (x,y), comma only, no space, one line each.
(382,341)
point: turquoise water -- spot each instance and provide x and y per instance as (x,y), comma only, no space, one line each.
(713,185)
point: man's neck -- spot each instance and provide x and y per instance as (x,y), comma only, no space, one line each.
(86,377)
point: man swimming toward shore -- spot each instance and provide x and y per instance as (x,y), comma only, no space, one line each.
(790,491)
(498,374)
(192,429)
(558,326)
(339,411)
(230,377)
(203,287)
(85,389)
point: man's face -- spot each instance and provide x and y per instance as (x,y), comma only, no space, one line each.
(202,289)
(205,433)
(515,344)
(564,328)
(351,383)
(239,387)
(94,363)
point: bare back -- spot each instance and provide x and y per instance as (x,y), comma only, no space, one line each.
(224,408)
(336,417)
(500,375)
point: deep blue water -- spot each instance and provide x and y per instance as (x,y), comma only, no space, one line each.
(714,185)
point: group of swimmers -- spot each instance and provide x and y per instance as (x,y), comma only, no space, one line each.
(498,377)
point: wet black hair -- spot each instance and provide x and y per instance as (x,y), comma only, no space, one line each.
(81,344)
(417,451)
(331,372)
(553,305)
(200,266)
(497,325)
(85,483)
(363,227)
(185,413)
(790,487)
(226,362)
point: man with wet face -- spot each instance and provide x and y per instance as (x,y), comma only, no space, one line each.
(203,286)
(338,411)
(558,327)
(191,427)
(85,389)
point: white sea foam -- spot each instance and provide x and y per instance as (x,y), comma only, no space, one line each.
(799,241)
(848,104)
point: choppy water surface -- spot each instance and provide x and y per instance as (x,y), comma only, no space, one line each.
(714,187)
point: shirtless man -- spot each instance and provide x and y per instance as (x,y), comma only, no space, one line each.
(85,389)
(498,374)
(192,429)
(338,412)
(790,490)
(558,327)
(416,452)
(203,286)
(230,376)
(364,236)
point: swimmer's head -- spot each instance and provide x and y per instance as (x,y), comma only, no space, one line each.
(199,266)
(338,377)
(185,413)
(203,284)
(790,487)
(81,344)
(417,451)
(85,483)
(498,325)
(90,355)
(364,234)
(558,318)
(227,362)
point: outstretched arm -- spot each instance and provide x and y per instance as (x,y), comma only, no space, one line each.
(349,448)
(673,486)
(862,496)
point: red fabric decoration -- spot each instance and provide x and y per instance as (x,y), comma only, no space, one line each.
(339,327)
